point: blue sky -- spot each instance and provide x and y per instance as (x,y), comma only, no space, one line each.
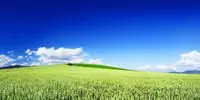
(126,33)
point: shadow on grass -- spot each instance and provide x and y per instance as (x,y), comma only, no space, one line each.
(12,67)
(96,66)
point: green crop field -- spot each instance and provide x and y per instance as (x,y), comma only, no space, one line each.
(63,82)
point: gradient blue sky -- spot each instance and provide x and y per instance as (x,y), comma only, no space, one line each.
(121,32)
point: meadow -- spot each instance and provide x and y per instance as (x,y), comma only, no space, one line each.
(77,82)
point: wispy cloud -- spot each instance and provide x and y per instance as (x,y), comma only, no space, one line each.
(95,61)
(10,51)
(20,57)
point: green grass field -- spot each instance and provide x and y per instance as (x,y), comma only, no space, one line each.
(63,82)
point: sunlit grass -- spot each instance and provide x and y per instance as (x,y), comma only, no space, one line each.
(72,82)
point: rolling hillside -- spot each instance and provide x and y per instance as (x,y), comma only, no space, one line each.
(97,66)
(87,82)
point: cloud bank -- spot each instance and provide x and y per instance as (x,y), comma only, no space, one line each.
(59,55)
(187,61)
(45,56)
(4,60)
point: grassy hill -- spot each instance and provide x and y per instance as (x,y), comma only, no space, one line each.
(97,66)
(89,82)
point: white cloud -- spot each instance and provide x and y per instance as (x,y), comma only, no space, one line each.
(158,68)
(29,52)
(46,56)
(23,64)
(20,57)
(57,55)
(35,63)
(95,61)
(188,61)
(13,64)
(191,58)
(4,60)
